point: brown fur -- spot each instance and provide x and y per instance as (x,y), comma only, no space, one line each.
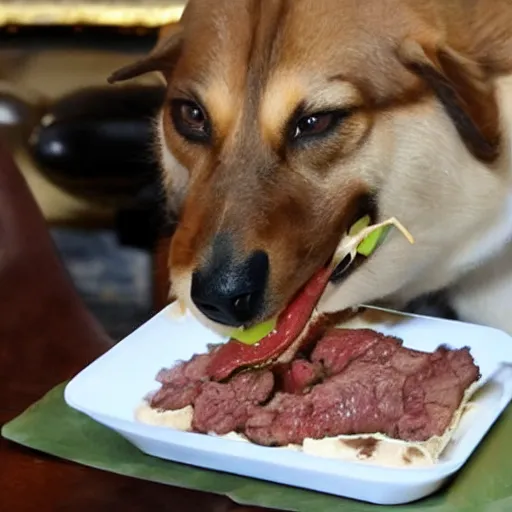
(427,131)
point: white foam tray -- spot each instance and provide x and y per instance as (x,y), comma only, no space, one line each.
(112,387)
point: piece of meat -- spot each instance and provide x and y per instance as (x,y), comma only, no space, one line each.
(224,407)
(376,385)
(462,364)
(354,382)
(297,327)
(339,347)
(181,384)
(432,395)
(347,403)
(298,376)
(173,398)
(184,372)
(291,322)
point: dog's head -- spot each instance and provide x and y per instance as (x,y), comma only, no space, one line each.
(285,121)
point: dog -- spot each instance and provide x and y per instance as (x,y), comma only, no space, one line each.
(287,120)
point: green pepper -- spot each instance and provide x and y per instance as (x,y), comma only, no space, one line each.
(254,334)
(373,240)
(357,227)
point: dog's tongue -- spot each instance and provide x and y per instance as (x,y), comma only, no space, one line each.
(234,355)
(294,319)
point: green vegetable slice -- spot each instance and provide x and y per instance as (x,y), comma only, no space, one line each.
(362,223)
(254,334)
(364,239)
(373,240)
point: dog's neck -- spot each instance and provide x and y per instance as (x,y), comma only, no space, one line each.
(493,241)
(499,233)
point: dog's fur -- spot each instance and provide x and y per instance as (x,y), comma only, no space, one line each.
(427,86)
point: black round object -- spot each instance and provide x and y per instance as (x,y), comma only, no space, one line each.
(100,140)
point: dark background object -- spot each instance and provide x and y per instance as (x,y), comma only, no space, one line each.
(99,141)
(127,39)
(435,304)
(147,221)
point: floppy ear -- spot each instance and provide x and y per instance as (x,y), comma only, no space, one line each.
(162,58)
(466,92)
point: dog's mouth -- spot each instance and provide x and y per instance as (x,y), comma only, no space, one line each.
(299,323)
(366,208)
(366,212)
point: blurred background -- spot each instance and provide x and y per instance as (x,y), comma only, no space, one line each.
(84,146)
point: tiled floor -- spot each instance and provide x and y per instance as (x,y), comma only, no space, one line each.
(114,281)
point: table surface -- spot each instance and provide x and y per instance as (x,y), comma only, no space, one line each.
(47,336)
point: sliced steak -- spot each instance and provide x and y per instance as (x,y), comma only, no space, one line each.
(298,376)
(291,322)
(181,384)
(355,381)
(376,385)
(432,395)
(223,408)
(297,326)
(344,404)
(339,347)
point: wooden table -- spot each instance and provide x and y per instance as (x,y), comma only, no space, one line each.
(46,336)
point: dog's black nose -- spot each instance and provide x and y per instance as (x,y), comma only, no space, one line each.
(231,293)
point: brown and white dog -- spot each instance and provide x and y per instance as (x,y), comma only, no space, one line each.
(286,120)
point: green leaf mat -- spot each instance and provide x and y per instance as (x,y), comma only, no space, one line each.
(50,426)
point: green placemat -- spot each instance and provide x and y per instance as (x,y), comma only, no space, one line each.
(50,426)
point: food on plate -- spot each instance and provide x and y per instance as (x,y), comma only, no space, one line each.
(355,394)
(254,334)
(299,382)
(373,239)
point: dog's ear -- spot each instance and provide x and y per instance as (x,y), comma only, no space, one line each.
(162,58)
(465,90)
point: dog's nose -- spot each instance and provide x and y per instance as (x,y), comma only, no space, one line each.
(231,294)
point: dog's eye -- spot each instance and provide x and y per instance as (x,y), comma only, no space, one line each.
(315,124)
(190,120)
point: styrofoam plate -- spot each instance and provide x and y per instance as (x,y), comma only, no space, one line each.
(111,388)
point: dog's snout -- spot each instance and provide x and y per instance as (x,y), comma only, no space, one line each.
(231,293)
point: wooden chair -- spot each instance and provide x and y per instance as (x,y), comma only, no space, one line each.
(46,336)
